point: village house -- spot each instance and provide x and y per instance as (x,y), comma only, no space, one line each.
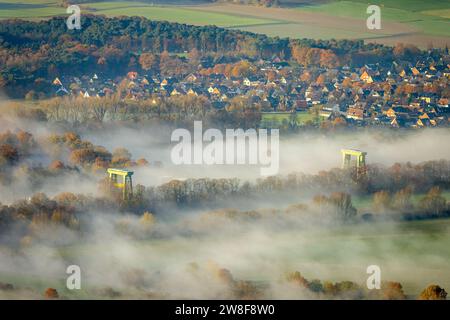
(369,95)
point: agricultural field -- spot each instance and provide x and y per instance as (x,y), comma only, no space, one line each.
(188,15)
(420,15)
(175,14)
(419,22)
(401,21)
(277,118)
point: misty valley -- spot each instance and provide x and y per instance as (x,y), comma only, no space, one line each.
(221,231)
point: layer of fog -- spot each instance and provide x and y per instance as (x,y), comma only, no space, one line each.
(261,251)
(306,153)
(160,264)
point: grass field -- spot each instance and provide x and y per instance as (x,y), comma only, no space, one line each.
(45,8)
(276,118)
(29,9)
(175,14)
(410,21)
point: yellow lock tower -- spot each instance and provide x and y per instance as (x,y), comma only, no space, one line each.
(122,179)
(359,156)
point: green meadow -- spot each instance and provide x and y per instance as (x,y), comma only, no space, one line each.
(30,9)
(47,8)
(277,118)
(174,14)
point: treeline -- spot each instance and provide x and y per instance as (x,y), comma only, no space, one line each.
(68,152)
(392,186)
(321,210)
(31,219)
(23,158)
(66,208)
(31,216)
(75,112)
(335,208)
(34,52)
(418,178)
(45,49)
(389,290)
(220,283)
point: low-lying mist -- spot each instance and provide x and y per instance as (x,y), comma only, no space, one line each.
(306,152)
(123,258)
(196,254)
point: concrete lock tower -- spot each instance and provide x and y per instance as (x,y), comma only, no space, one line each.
(121,179)
(360,157)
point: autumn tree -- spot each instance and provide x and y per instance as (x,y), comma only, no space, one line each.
(67,199)
(392,291)
(121,157)
(402,200)
(41,202)
(101,106)
(51,293)
(142,162)
(433,292)
(314,56)
(147,60)
(339,122)
(343,290)
(82,156)
(297,279)
(245,290)
(299,54)
(433,202)
(242,69)
(406,51)
(8,154)
(57,217)
(382,201)
(343,205)
(328,59)
(194,56)
(147,220)
(349,290)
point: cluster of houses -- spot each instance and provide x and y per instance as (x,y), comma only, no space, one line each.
(391,95)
